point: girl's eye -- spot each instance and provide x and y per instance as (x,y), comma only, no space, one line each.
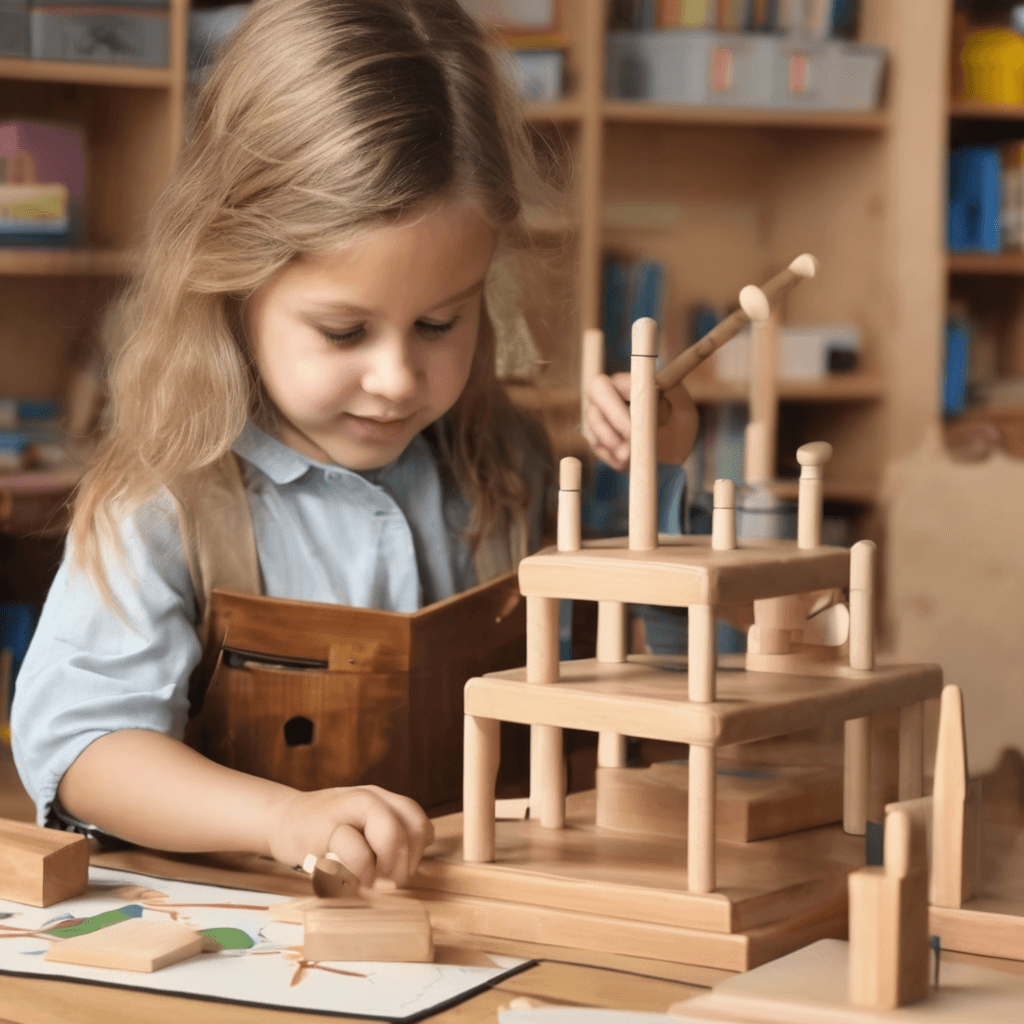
(432,329)
(341,338)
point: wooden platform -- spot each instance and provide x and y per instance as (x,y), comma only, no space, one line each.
(592,889)
(682,570)
(647,696)
(810,987)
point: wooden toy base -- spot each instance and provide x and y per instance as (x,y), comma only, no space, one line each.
(593,889)
(810,986)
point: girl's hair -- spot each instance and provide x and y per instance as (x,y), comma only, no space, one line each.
(320,119)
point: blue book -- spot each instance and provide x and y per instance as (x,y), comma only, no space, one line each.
(616,325)
(974,197)
(958,346)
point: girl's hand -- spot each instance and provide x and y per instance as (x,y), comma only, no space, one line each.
(608,429)
(375,833)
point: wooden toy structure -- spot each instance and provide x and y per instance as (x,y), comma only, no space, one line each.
(559,879)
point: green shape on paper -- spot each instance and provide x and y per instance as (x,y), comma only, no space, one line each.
(95,923)
(226,938)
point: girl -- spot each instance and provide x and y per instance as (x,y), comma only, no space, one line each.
(312,309)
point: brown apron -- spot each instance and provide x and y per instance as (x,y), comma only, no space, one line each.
(316,695)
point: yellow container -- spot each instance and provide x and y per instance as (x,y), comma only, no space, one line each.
(993,65)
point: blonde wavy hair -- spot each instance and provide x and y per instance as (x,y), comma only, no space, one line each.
(319,120)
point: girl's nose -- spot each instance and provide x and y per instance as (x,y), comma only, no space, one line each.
(391,372)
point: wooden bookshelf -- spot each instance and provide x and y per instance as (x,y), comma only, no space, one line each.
(641,112)
(972,110)
(133,120)
(1003,264)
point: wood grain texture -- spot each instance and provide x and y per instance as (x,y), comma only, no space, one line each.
(133,945)
(41,866)
(396,931)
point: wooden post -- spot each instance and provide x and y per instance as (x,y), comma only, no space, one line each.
(811,495)
(702,656)
(763,429)
(856,770)
(700,835)
(889,951)
(611,649)
(591,366)
(542,667)
(481,750)
(954,830)
(723,520)
(570,476)
(862,605)
(643,441)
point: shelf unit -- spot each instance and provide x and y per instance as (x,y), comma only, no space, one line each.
(133,120)
(739,192)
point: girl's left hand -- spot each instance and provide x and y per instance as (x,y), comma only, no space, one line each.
(607,427)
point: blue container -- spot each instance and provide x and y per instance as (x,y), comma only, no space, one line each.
(958,346)
(974,174)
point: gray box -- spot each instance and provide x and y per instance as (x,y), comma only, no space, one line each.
(13,28)
(740,69)
(133,37)
(538,73)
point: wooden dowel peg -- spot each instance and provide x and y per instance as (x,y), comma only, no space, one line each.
(611,631)
(611,750)
(951,881)
(551,770)
(856,769)
(811,495)
(700,835)
(755,304)
(542,639)
(862,605)
(723,518)
(643,455)
(481,749)
(702,657)
(591,366)
(569,504)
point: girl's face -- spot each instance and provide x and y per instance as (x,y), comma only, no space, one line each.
(361,350)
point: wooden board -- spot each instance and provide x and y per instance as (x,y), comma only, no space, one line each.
(751,801)
(645,697)
(581,868)
(683,570)
(810,987)
(132,945)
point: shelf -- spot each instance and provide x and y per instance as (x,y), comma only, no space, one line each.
(840,387)
(643,112)
(63,262)
(82,73)
(970,110)
(852,492)
(1008,264)
(565,111)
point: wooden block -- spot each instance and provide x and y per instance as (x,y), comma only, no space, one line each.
(133,945)
(398,931)
(889,951)
(293,911)
(41,866)
(752,801)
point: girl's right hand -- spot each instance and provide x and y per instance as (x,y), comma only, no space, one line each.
(375,833)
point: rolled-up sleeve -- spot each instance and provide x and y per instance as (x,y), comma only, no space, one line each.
(92,669)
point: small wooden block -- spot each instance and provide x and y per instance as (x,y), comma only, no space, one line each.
(294,911)
(396,931)
(41,866)
(133,945)
(752,801)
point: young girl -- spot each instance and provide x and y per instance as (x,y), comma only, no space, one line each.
(312,307)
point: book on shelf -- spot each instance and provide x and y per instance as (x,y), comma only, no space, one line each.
(632,289)
(974,186)
(809,19)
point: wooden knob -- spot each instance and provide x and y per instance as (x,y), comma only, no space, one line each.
(755,304)
(645,337)
(570,474)
(817,453)
(862,566)
(805,265)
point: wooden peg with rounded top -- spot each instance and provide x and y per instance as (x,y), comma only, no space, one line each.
(811,496)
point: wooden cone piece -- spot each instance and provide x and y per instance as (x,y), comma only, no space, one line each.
(643,455)
(951,832)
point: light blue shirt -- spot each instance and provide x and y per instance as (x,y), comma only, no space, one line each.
(388,539)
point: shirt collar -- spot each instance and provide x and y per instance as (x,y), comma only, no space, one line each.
(284,465)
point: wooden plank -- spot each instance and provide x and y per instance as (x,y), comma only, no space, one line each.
(396,931)
(681,571)
(132,945)
(644,697)
(977,931)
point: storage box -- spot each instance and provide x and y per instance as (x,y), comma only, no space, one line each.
(105,35)
(737,69)
(13,28)
(538,73)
